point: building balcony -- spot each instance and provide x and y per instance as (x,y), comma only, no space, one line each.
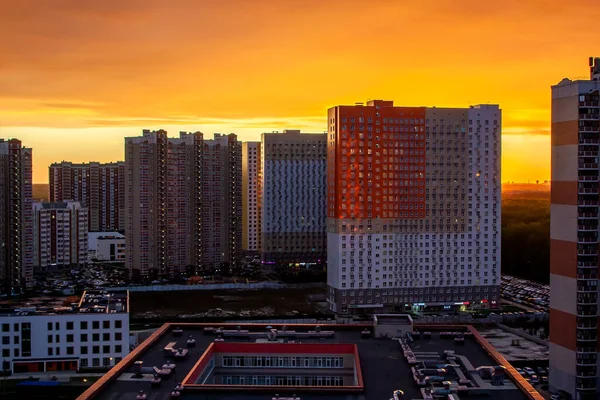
(587,265)
(588,191)
(588,203)
(587,216)
(588,166)
(587,252)
(585,374)
(587,277)
(591,361)
(588,313)
(587,240)
(591,337)
(587,289)
(588,116)
(587,301)
(587,326)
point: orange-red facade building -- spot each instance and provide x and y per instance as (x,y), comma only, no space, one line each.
(413,206)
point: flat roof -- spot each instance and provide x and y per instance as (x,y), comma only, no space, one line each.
(384,369)
(102,301)
(91,301)
(521,350)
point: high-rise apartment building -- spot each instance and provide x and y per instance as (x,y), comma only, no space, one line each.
(574,317)
(184,203)
(251,179)
(97,186)
(222,202)
(413,206)
(164,204)
(16,229)
(60,233)
(293,205)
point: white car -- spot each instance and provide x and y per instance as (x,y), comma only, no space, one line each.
(529,371)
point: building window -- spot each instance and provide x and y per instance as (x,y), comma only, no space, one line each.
(83,362)
(50,351)
(83,325)
(16,351)
(5,339)
(106,324)
(5,353)
(58,351)
(118,348)
(70,325)
(106,361)
(106,337)
(118,336)
(5,327)
(118,324)
(95,337)
(50,338)
(95,362)
(57,326)
(69,338)
(49,326)
(70,350)
(106,349)
(83,350)
(95,324)
(96,349)
(84,337)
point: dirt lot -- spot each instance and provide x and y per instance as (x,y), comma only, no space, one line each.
(202,303)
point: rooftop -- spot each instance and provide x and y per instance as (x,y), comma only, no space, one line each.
(91,301)
(382,363)
(514,347)
(94,237)
(101,301)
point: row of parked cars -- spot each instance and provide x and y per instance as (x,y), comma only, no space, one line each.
(532,294)
(539,375)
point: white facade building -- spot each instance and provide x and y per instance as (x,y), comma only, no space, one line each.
(94,335)
(106,247)
(60,233)
(414,207)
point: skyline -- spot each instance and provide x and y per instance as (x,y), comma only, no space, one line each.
(75,73)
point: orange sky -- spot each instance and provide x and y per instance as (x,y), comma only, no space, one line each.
(77,76)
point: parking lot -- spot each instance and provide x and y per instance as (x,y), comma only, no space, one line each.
(528,293)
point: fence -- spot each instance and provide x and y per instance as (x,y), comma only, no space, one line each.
(218,286)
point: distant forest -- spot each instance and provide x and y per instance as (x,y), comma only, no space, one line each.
(526,233)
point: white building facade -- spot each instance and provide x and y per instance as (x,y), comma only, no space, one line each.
(106,247)
(414,207)
(85,338)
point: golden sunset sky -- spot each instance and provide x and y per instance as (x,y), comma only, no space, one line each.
(78,76)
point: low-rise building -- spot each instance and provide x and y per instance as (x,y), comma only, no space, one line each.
(106,247)
(90,335)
